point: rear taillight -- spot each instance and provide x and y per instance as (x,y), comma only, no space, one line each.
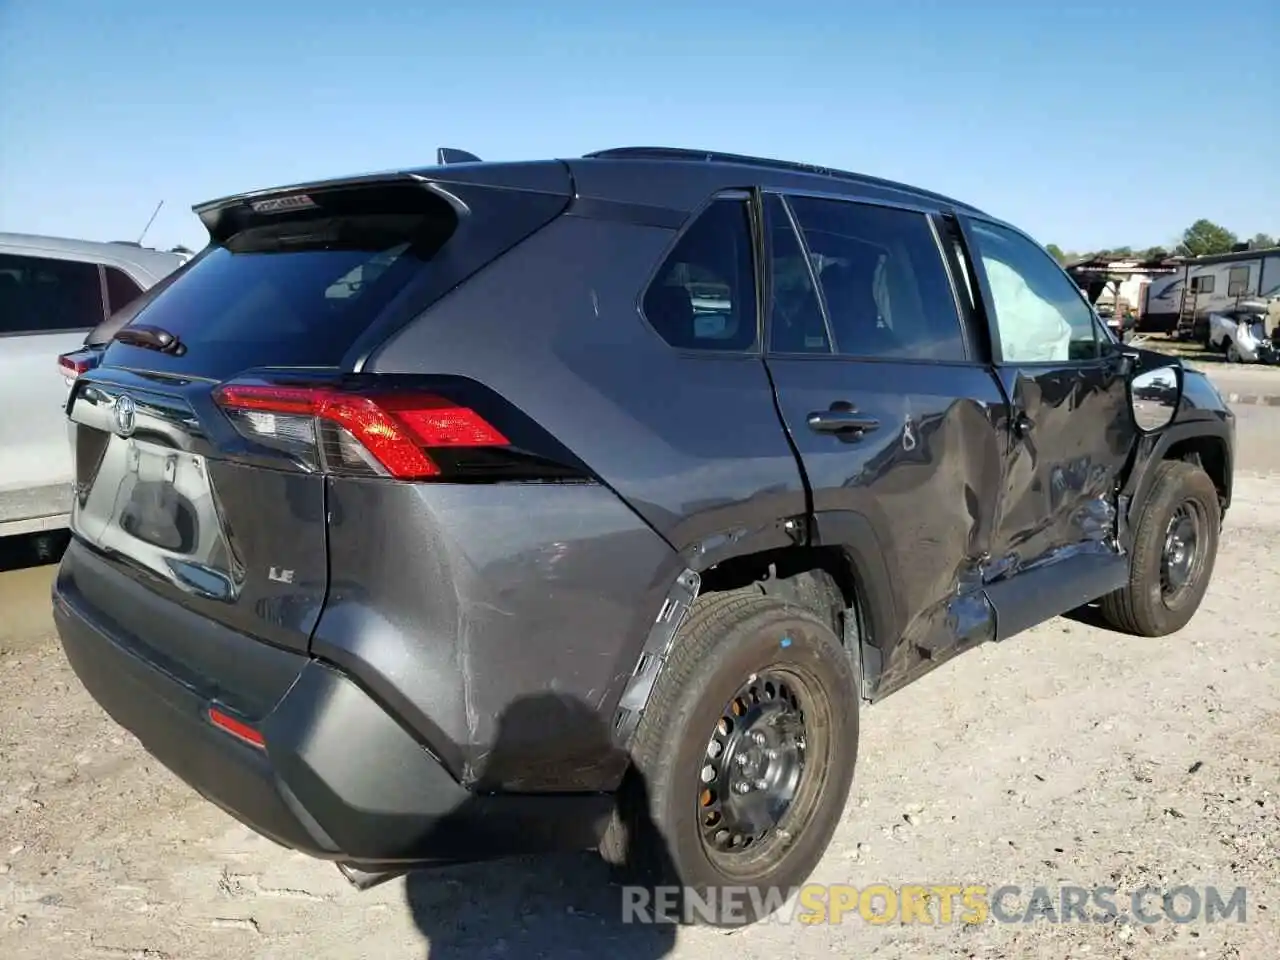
(72,365)
(392,434)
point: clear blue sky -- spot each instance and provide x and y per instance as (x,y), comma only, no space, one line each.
(1088,123)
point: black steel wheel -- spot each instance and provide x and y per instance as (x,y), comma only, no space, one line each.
(744,757)
(1182,557)
(755,759)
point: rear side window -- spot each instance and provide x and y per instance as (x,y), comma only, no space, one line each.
(704,294)
(43,295)
(883,279)
(121,290)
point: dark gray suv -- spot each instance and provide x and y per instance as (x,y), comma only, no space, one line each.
(499,508)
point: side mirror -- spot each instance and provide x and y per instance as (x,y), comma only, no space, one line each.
(1154,396)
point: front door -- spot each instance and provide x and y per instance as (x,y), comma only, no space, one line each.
(894,417)
(1070,427)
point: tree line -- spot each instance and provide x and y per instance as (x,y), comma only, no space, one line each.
(1202,238)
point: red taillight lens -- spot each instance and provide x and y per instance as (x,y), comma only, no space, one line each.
(396,430)
(71,365)
(237,728)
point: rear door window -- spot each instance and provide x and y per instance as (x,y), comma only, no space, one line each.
(796,321)
(883,279)
(45,295)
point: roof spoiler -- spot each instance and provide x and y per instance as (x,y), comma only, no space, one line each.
(229,215)
(448,155)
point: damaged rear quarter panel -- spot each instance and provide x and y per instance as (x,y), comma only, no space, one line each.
(453,603)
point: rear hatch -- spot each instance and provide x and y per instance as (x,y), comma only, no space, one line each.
(204,439)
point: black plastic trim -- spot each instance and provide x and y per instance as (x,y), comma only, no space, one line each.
(1036,595)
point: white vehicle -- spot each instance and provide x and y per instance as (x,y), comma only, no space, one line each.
(1241,332)
(53,293)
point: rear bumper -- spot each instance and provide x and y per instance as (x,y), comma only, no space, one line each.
(339,778)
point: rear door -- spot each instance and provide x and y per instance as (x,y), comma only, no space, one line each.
(892,410)
(47,305)
(1070,428)
(204,438)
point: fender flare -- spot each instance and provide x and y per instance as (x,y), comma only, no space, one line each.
(880,608)
(880,619)
(1154,449)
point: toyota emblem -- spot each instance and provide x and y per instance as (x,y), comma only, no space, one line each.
(126,415)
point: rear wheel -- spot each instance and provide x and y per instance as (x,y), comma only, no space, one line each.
(1174,549)
(742,762)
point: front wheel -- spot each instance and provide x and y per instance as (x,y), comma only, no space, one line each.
(1175,546)
(742,761)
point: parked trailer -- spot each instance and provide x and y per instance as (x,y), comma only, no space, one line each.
(1206,285)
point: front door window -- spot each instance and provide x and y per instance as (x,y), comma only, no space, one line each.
(1041,316)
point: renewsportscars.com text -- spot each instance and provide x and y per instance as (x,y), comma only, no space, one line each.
(934,904)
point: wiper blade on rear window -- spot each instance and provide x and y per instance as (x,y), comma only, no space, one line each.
(152,338)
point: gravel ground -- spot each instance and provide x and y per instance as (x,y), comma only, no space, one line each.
(1067,756)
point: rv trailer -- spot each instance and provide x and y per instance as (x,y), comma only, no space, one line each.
(1180,303)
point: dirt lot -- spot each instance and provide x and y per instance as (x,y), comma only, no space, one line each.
(1067,756)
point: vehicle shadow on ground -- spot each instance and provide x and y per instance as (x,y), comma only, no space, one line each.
(32,550)
(1090,615)
(550,905)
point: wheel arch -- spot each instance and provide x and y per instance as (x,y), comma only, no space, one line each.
(1206,443)
(836,571)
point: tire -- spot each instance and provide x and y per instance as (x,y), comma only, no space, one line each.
(1146,607)
(1233,355)
(656,837)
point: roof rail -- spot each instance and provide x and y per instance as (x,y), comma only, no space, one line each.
(716,156)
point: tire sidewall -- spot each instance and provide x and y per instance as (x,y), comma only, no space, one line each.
(754,647)
(1176,486)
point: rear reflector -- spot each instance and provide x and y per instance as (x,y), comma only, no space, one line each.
(396,430)
(237,728)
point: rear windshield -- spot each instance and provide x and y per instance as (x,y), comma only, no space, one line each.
(297,292)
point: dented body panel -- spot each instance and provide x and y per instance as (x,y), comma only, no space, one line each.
(925,482)
(477,597)
(1070,438)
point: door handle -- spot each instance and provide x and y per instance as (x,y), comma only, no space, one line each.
(1022,424)
(842,418)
